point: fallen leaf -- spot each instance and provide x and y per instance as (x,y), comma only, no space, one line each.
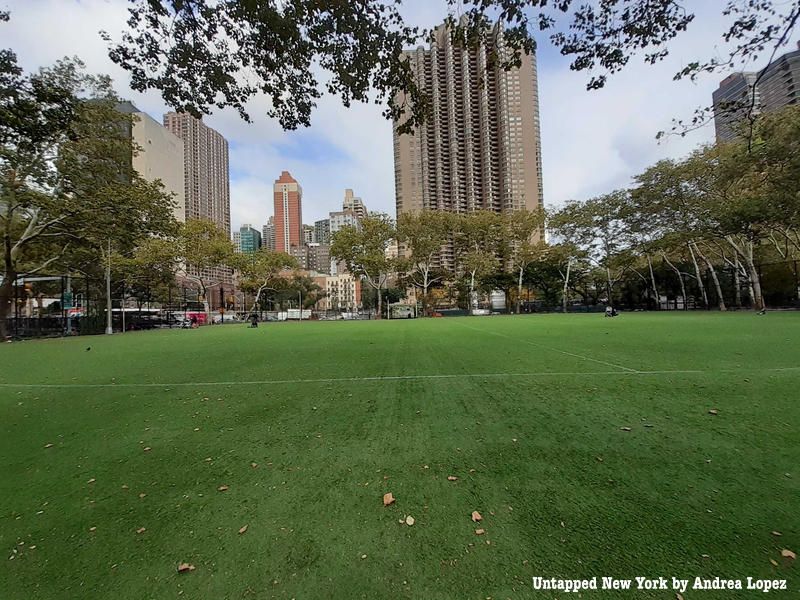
(773,562)
(92,528)
(92,480)
(388,499)
(776,533)
(254,465)
(243,529)
(788,554)
(599,458)
(363,556)
(141,530)
(409,520)
(476,516)
(222,488)
(480,531)
(513,439)
(48,445)
(625,428)
(713,411)
(124,486)
(142,495)
(147,448)
(678,596)
(184,567)
(452,478)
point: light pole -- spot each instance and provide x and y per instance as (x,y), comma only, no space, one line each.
(300,305)
(109,326)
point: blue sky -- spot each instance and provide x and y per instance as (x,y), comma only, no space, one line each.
(592,142)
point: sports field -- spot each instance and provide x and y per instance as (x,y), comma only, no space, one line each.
(585,443)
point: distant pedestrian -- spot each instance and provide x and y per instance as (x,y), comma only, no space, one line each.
(193,321)
(254,320)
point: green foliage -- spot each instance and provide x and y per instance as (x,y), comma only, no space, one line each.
(67,185)
(205,53)
(363,249)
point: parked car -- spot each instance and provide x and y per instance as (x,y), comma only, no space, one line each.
(225,318)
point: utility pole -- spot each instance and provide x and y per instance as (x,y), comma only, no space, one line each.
(68,295)
(109,326)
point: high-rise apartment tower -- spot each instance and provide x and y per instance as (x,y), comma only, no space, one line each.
(206,174)
(480,148)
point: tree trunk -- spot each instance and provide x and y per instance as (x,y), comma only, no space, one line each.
(755,284)
(609,288)
(746,252)
(700,283)
(471,293)
(653,283)
(519,291)
(380,302)
(737,284)
(564,298)
(714,278)
(425,285)
(680,279)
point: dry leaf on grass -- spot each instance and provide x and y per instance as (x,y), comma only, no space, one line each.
(48,445)
(147,448)
(776,533)
(141,530)
(142,495)
(452,478)
(243,529)
(92,480)
(480,531)
(409,520)
(92,529)
(678,596)
(388,499)
(625,428)
(773,562)
(254,465)
(222,488)
(476,516)
(713,411)
(788,554)
(184,567)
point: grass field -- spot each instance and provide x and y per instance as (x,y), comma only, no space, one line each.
(309,424)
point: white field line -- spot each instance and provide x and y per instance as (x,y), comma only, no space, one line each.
(382,378)
(537,345)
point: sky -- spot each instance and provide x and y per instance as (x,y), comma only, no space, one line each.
(592,141)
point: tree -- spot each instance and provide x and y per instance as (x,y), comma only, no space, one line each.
(66,177)
(363,250)
(204,252)
(520,228)
(478,239)
(205,53)
(424,233)
(260,270)
(596,228)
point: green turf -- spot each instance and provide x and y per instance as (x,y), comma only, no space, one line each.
(531,426)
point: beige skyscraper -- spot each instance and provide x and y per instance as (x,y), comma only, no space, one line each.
(206,175)
(158,156)
(481,148)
